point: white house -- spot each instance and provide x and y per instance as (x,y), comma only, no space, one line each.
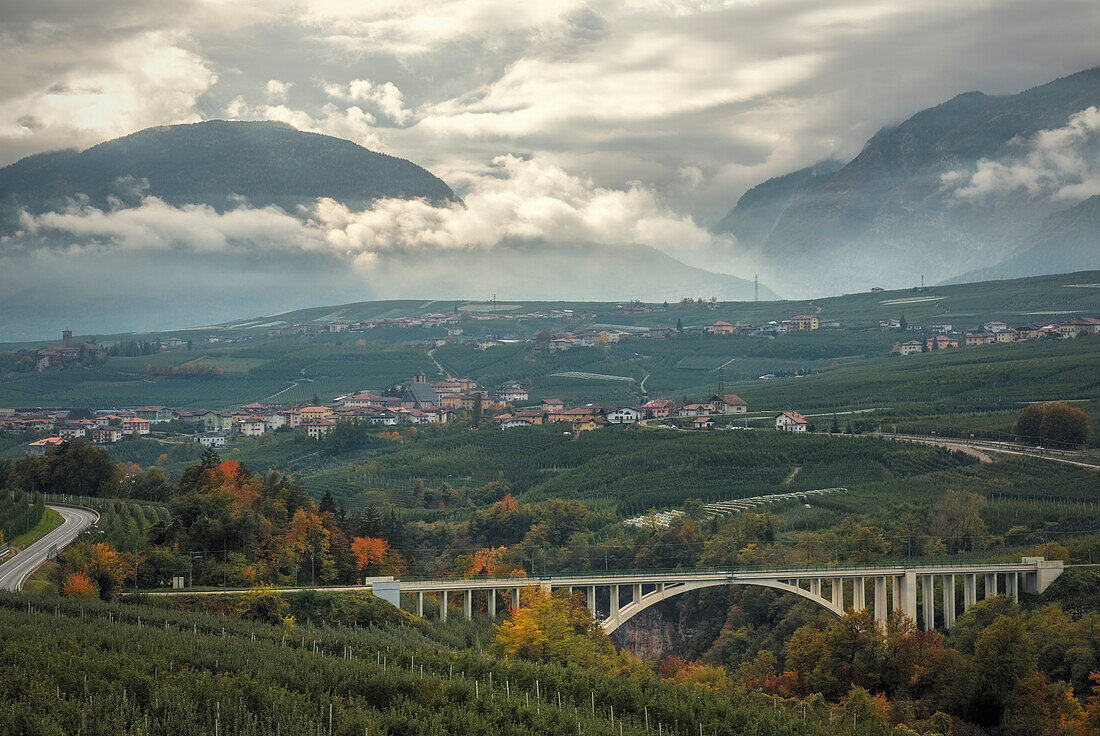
(791,421)
(623,415)
(213,439)
(250,426)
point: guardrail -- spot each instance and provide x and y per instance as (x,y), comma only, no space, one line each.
(810,569)
(1084,456)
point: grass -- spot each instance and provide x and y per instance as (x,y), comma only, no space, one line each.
(50,520)
(42,581)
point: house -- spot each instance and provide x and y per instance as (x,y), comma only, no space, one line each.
(318,428)
(1009,335)
(136,426)
(155,414)
(909,347)
(877,289)
(889,324)
(804,322)
(728,404)
(657,408)
(940,342)
(994,327)
(1029,331)
(107,435)
(552,406)
(221,421)
(791,421)
(511,394)
(172,343)
(623,415)
(587,424)
(314,413)
(512,422)
(971,339)
(830,324)
(70,432)
(250,426)
(720,328)
(1080,326)
(942,328)
(211,439)
(41,447)
(703,423)
(694,410)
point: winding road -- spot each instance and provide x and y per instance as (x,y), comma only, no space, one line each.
(15,571)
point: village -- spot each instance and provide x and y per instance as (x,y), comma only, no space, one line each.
(418,402)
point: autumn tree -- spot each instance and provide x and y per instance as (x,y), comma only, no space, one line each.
(1065,424)
(1029,423)
(555,629)
(78,585)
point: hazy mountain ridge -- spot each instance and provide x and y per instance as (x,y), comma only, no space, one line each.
(889,216)
(215,163)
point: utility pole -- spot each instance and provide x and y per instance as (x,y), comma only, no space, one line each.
(756,288)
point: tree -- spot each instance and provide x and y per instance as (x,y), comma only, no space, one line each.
(555,629)
(679,325)
(903,324)
(262,603)
(957,519)
(476,419)
(78,585)
(1065,424)
(1004,657)
(1029,423)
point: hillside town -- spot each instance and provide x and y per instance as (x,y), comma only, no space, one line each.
(418,402)
(942,335)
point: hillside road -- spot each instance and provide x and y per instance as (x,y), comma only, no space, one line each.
(15,571)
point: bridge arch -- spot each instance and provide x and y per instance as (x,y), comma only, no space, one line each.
(664,591)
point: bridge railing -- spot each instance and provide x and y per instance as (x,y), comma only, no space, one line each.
(845,569)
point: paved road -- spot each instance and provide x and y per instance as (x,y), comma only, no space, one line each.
(19,568)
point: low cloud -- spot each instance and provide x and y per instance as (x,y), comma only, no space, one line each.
(1060,163)
(516,200)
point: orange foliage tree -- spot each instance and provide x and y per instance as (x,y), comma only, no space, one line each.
(78,585)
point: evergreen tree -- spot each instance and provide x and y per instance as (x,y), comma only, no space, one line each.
(679,325)
(476,419)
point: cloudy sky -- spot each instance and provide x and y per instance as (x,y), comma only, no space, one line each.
(695,100)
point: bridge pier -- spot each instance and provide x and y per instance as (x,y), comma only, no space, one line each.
(420,605)
(907,587)
(948,601)
(970,591)
(990,585)
(859,594)
(515,597)
(880,598)
(1012,587)
(838,592)
(443,606)
(928,601)
(491,603)
(592,599)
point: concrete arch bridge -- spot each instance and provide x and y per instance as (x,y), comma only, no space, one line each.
(616,597)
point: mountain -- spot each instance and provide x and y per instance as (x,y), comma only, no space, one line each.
(1065,241)
(901,208)
(214,163)
(756,212)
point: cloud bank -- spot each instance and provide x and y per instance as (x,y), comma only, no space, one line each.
(513,200)
(1061,163)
